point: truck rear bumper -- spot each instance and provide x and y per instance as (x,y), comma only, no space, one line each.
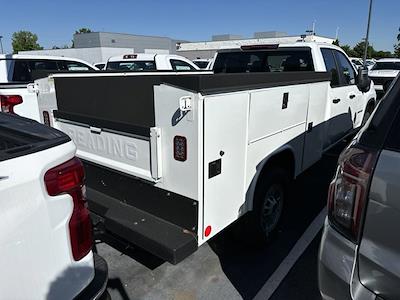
(96,290)
(160,222)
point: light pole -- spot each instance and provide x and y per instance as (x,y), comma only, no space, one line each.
(367,36)
(1,44)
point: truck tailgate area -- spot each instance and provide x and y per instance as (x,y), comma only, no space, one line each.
(162,222)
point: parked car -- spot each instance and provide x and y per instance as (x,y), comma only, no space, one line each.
(359,253)
(203,63)
(45,229)
(370,63)
(358,62)
(178,157)
(150,62)
(100,65)
(17,73)
(384,72)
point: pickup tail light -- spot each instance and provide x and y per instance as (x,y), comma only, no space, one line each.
(348,191)
(68,178)
(8,102)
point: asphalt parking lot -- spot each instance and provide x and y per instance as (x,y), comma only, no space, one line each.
(229,267)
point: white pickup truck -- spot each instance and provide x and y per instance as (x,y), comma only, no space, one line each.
(45,229)
(17,73)
(149,62)
(174,158)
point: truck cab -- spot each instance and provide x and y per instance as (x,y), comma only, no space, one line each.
(349,106)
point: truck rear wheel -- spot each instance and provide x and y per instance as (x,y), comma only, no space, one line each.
(270,197)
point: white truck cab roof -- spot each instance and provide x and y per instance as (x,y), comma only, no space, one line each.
(44,57)
(150,62)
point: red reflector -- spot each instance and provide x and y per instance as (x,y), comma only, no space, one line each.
(259,47)
(68,178)
(207,232)
(130,56)
(46,118)
(180,148)
(8,102)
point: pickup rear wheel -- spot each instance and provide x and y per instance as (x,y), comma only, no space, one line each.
(270,198)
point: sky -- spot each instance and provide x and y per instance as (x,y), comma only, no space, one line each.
(55,21)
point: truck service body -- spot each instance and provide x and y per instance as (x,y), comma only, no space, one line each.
(172,158)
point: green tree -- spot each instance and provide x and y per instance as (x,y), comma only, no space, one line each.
(83,30)
(25,40)
(360,48)
(349,51)
(336,42)
(397,46)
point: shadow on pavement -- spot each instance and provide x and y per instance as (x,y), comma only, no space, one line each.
(116,284)
(249,267)
(143,257)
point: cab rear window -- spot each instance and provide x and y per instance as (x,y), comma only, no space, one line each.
(23,68)
(277,60)
(143,65)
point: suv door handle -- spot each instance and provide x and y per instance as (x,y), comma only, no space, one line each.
(336,100)
(352,96)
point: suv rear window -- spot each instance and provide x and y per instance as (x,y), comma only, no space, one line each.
(386,66)
(280,60)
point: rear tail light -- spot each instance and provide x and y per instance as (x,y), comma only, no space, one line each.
(46,118)
(180,148)
(348,191)
(69,178)
(8,102)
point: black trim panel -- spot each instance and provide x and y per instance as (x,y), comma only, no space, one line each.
(122,188)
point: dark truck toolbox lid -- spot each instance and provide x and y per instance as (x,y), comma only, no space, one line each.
(126,103)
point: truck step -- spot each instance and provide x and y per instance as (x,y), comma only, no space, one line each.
(155,235)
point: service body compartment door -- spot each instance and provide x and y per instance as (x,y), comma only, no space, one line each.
(225,145)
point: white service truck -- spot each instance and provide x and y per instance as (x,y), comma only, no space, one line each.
(173,159)
(45,228)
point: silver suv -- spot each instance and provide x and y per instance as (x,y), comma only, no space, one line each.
(359,256)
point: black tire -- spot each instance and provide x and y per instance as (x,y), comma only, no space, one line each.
(269,202)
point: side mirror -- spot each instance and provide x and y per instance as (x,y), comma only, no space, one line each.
(363,81)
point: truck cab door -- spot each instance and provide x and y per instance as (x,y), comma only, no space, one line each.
(341,97)
(353,96)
